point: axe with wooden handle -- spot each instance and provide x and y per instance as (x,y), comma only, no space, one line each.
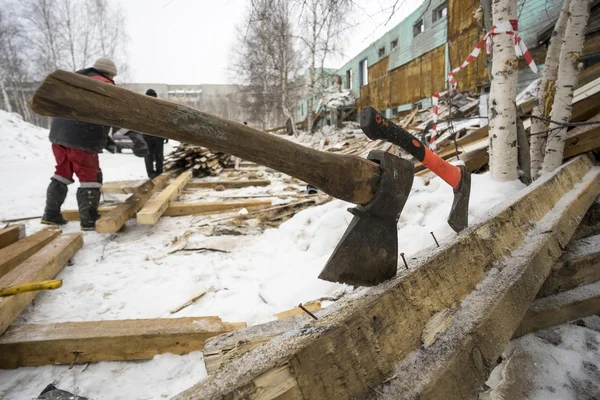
(366,255)
(376,126)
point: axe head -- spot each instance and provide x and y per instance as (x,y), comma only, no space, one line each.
(458,219)
(367,254)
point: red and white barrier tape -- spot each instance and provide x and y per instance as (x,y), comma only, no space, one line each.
(509,27)
(434,101)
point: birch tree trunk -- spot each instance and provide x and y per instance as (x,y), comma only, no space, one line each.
(5,96)
(502,109)
(545,94)
(579,11)
(313,61)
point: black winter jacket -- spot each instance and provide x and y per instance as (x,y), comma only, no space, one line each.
(78,134)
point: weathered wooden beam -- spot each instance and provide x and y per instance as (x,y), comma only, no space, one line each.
(44,265)
(82,342)
(11,234)
(227,184)
(16,253)
(560,308)
(127,187)
(582,139)
(358,342)
(579,265)
(348,178)
(154,209)
(114,218)
(179,209)
(472,337)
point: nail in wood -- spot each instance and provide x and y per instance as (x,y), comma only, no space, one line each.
(436,242)
(306,311)
(404,259)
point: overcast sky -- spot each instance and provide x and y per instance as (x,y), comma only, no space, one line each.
(190,41)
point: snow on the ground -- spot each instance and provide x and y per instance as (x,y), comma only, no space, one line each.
(561,362)
(134,274)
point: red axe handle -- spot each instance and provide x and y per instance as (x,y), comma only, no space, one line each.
(376,126)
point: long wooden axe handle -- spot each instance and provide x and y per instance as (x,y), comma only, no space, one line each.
(68,95)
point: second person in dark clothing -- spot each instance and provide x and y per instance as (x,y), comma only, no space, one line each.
(155,150)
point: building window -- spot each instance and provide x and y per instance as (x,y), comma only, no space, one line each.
(440,12)
(363,68)
(418,28)
(349,79)
(395,112)
(394,44)
(381,51)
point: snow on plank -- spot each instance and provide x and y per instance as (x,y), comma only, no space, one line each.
(44,265)
(82,342)
(11,234)
(384,325)
(154,209)
(16,253)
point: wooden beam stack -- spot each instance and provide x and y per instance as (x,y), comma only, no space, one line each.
(201,160)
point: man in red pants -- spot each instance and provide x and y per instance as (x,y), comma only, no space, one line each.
(76,145)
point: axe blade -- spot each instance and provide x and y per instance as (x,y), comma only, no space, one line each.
(367,254)
(458,219)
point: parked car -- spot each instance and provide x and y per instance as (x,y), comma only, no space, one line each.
(122,141)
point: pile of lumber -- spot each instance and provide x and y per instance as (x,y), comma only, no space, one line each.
(201,160)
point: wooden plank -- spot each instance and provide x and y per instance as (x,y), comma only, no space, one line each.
(179,209)
(44,265)
(153,209)
(11,234)
(16,253)
(227,184)
(579,265)
(312,306)
(359,344)
(127,187)
(582,139)
(113,219)
(82,342)
(561,308)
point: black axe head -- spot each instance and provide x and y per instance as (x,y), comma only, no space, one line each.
(458,219)
(367,254)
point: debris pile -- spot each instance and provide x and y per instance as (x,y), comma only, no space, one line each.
(203,161)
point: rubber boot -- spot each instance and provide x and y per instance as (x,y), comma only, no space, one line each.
(55,197)
(88,200)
